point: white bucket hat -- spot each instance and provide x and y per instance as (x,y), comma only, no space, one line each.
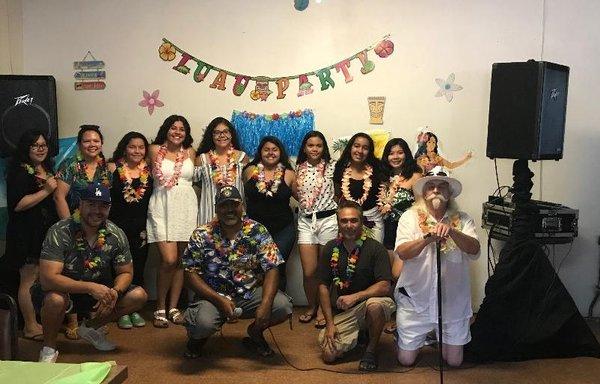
(435,174)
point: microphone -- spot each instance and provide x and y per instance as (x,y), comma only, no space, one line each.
(237,312)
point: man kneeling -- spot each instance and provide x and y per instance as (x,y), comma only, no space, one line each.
(225,263)
(359,269)
(77,261)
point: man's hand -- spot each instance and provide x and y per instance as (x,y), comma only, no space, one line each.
(440,232)
(263,316)
(331,336)
(346,301)
(102,293)
(104,307)
(226,306)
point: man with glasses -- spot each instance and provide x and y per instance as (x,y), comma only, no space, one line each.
(85,265)
(434,218)
(231,265)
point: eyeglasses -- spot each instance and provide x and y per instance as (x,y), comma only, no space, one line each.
(440,173)
(221,133)
(38,147)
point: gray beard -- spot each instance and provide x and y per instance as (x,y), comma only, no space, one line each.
(437,203)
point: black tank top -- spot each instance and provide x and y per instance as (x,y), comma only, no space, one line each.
(273,212)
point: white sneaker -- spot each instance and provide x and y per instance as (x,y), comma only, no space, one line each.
(95,337)
(48,355)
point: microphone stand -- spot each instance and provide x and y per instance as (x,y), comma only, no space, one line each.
(439,307)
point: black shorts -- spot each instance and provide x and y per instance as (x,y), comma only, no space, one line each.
(80,303)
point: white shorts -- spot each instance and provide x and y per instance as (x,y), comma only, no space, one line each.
(413,328)
(317,231)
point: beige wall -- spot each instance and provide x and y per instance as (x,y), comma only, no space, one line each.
(432,39)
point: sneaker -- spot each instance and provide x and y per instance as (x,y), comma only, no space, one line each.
(95,337)
(48,355)
(137,320)
(124,322)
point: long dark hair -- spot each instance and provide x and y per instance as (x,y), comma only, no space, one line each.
(302,155)
(283,157)
(422,150)
(119,152)
(344,159)
(408,167)
(208,143)
(161,136)
(21,156)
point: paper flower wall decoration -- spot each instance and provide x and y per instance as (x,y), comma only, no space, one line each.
(447,87)
(150,101)
(167,52)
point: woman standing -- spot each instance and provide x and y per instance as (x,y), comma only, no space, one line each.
(317,222)
(396,196)
(268,180)
(357,177)
(172,211)
(219,163)
(31,211)
(87,167)
(130,194)
(74,175)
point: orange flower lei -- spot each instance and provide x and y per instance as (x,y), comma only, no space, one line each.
(306,200)
(269,188)
(367,184)
(130,194)
(225,174)
(82,169)
(427,225)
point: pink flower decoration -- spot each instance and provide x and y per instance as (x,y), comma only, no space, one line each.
(150,101)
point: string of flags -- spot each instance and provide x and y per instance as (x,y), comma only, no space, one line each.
(168,51)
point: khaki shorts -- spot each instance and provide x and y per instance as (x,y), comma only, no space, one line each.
(350,322)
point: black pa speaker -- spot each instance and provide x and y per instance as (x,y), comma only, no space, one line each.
(528,104)
(27,103)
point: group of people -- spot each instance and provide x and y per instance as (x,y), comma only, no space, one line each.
(366,231)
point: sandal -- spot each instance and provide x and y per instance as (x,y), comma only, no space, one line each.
(320,323)
(307,317)
(71,333)
(368,362)
(159,319)
(176,316)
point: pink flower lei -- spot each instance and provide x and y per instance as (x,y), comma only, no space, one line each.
(307,201)
(367,184)
(158,173)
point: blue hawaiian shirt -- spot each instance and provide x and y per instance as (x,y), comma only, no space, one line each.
(232,268)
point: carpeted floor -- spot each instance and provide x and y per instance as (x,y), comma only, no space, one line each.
(155,356)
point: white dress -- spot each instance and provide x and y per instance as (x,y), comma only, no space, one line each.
(172,212)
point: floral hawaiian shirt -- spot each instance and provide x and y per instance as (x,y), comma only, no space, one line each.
(87,264)
(71,172)
(232,268)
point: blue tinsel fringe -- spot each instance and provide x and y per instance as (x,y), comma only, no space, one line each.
(290,128)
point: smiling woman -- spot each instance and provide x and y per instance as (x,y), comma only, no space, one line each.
(172,211)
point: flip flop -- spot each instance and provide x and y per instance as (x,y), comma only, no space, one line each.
(37,337)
